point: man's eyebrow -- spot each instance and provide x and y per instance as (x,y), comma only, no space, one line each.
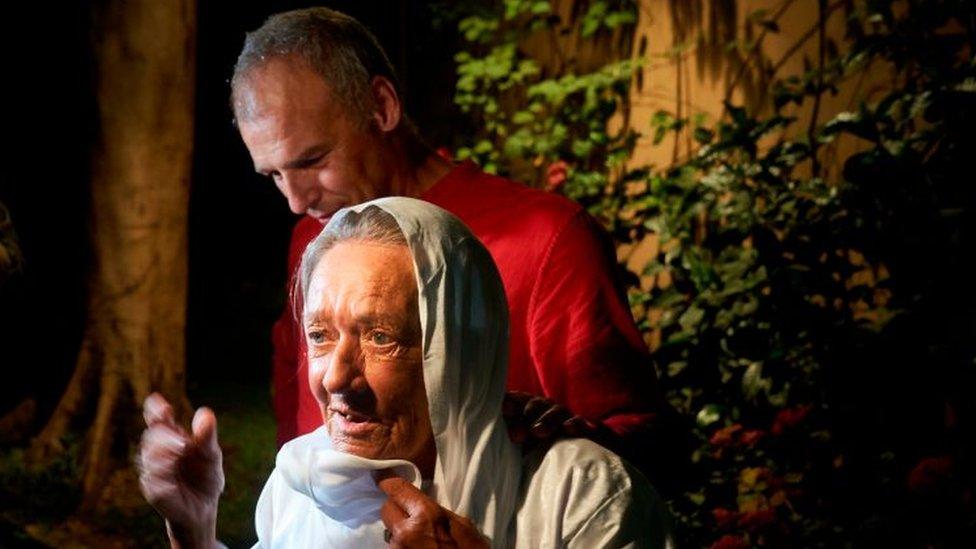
(306,157)
(303,160)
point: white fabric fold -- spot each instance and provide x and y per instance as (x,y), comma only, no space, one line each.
(341,485)
(320,497)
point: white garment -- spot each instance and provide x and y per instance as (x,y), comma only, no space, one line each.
(574,494)
(319,497)
(577,493)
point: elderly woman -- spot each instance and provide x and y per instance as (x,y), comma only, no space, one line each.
(406,325)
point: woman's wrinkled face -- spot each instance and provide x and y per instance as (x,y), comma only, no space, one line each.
(362,326)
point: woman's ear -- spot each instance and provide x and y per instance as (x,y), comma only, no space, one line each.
(388,110)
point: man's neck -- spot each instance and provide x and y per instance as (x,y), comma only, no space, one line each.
(418,167)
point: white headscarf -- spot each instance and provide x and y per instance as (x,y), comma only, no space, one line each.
(464,318)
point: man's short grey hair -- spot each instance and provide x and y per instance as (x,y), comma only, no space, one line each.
(333,44)
(373,225)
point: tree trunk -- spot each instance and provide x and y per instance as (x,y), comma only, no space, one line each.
(134,337)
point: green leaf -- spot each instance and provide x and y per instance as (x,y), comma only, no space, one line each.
(540,7)
(676,367)
(691,318)
(752,381)
(709,414)
(968,85)
(698,498)
(853,123)
(703,135)
(522,117)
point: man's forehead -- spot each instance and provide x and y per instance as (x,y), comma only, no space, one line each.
(280,86)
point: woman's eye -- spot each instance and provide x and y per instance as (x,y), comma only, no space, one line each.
(318,337)
(379,338)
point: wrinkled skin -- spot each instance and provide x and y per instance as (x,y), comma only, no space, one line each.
(365,355)
(415,521)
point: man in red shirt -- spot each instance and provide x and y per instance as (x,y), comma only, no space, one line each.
(318,107)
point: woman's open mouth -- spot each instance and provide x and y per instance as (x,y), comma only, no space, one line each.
(350,422)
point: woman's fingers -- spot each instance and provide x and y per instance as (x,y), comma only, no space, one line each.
(205,433)
(156,409)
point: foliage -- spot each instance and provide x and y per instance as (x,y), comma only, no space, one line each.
(783,294)
(528,118)
(29,494)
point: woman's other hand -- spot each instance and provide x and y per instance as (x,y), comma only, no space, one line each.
(414,521)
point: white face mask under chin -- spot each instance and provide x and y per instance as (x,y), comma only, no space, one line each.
(341,485)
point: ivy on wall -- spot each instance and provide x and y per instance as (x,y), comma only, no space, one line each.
(815,326)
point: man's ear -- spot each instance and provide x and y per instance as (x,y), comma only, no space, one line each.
(387,104)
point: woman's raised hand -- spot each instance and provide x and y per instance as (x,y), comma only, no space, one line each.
(181,474)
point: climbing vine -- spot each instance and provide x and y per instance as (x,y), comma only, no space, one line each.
(793,311)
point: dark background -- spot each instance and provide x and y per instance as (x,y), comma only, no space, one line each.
(239,225)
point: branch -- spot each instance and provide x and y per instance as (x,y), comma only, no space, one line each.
(821,46)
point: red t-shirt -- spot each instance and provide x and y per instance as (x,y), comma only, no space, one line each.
(572,337)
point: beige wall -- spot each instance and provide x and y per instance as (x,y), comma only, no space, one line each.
(690,69)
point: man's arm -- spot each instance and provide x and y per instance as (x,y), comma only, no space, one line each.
(591,358)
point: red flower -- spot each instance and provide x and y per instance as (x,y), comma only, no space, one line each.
(930,474)
(728,541)
(789,418)
(751,437)
(556,174)
(724,517)
(725,435)
(754,520)
(444,153)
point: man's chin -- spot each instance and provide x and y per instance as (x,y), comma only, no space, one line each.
(320,216)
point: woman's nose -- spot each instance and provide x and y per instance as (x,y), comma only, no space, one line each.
(344,366)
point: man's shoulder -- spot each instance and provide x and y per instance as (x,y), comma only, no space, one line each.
(304,231)
(472,194)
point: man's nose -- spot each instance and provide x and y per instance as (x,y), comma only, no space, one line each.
(344,367)
(300,196)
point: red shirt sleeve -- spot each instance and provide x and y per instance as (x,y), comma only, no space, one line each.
(583,341)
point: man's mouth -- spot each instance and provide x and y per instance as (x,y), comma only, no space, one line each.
(322,217)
